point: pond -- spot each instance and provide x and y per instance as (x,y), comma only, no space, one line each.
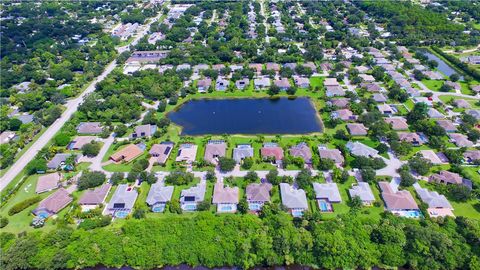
(442,66)
(247,116)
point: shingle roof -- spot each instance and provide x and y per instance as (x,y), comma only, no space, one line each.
(95,196)
(161,151)
(48,182)
(398,123)
(198,192)
(327,191)
(363,191)
(123,195)
(215,149)
(357,129)
(293,198)
(397,200)
(222,194)
(127,154)
(360,149)
(302,150)
(432,198)
(333,154)
(159,194)
(55,202)
(242,151)
(258,192)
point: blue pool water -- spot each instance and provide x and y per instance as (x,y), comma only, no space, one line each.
(43,215)
(227,208)
(254,207)
(158,208)
(190,207)
(121,214)
(323,206)
(297,213)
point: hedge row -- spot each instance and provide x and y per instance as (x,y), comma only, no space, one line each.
(19,207)
(463,66)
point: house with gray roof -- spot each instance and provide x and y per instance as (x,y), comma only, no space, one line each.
(438,205)
(334,91)
(241,152)
(143,131)
(158,196)
(226,198)
(257,195)
(58,161)
(301,82)
(332,154)
(357,129)
(221,84)
(89,128)
(191,197)
(293,199)
(326,194)
(360,149)
(363,191)
(261,83)
(94,197)
(242,83)
(25,118)
(122,201)
(48,182)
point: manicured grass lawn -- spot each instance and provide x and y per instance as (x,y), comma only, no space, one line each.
(434,85)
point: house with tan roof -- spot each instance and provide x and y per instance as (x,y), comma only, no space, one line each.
(94,197)
(397,123)
(89,128)
(204,84)
(399,202)
(214,150)
(143,131)
(446,177)
(447,125)
(357,129)
(343,114)
(257,195)
(303,151)
(273,66)
(332,154)
(460,140)
(226,198)
(272,152)
(431,156)
(127,154)
(282,83)
(48,182)
(161,152)
(78,142)
(53,203)
(187,152)
(331,82)
(339,102)
(462,103)
(410,137)
(385,109)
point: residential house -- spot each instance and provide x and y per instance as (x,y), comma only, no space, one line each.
(454,85)
(59,161)
(301,82)
(218,67)
(147,56)
(257,195)
(221,84)
(143,131)
(78,142)
(460,140)
(462,103)
(48,182)
(474,113)
(356,129)
(273,66)
(303,151)
(282,83)
(334,91)
(431,156)
(261,83)
(53,204)
(449,178)
(293,199)
(397,123)
(273,152)
(183,67)
(371,87)
(204,84)
(127,154)
(331,82)
(242,83)
(226,198)
(360,149)
(187,153)
(399,202)
(161,152)
(447,125)
(158,196)
(423,100)
(332,154)
(214,150)
(343,114)
(339,102)
(363,191)
(472,156)
(241,152)
(434,113)
(438,205)
(326,194)
(367,78)
(257,67)
(94,197)
(89,128)
(122,201)
(7,136)
(310,65)
(410,137)
(380,98)
(191,197)
(385,109)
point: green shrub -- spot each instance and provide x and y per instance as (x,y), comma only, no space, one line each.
(3,221)
(19,207)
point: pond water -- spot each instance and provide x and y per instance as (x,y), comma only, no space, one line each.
(247,116)
(442,66)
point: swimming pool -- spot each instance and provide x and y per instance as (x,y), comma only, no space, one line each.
(410,214)
(189,207)
(297,213)
(121,214)
(158,208)
(43,214)
(324,206)
(255,207)
(227,208)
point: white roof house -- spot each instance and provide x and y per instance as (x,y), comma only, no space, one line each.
(327,191)
(360,149)
(293,199)
(363,191)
